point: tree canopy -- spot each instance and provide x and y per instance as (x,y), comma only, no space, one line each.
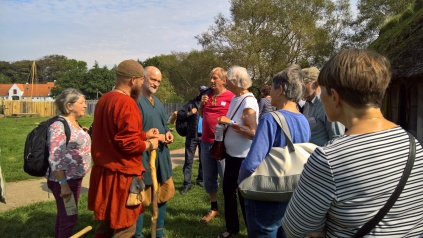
(266,36)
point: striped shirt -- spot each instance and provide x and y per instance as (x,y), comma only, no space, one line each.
(345,183)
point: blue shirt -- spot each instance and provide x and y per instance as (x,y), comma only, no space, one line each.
(200,125)
(268,135)
(322,130)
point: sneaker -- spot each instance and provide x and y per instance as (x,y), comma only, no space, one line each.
(186,188)
(200,183)
(210,215)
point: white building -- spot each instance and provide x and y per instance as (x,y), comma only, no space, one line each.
(38,92)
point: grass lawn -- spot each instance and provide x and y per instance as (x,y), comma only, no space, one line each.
(37,220)
(12,141)
(183,214)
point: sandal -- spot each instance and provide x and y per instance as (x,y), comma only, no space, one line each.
(228,234)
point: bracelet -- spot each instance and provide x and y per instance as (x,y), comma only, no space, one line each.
(63,181)
(231,122)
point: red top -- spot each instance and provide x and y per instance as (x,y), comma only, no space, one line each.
(211,111)
(118,138)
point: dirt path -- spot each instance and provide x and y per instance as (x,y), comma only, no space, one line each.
(31,191)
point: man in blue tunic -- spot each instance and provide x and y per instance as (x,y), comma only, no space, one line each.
(154,116)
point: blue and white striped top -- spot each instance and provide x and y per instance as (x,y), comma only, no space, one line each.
(345,183)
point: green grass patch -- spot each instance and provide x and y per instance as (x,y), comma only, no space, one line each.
(12,141)
(184,212)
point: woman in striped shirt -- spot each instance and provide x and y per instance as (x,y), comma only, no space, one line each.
(346,182)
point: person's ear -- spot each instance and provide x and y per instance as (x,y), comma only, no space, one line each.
(315,85)
(280,89)
(335,97)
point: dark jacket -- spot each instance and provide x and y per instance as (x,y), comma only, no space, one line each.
(193,119)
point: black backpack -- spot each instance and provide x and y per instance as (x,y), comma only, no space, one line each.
(181,124)
(36,150)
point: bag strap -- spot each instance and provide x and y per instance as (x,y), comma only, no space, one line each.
(281,120)
(366,228)
(239,105)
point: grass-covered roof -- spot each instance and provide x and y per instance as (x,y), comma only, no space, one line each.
(401,40)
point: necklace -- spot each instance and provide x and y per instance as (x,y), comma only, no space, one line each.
(122,91)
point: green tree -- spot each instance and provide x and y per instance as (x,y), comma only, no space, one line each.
(371,16)
(74,77)
(52,67)
(98,81)
(265,36)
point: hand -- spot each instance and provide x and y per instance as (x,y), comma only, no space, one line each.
(193,111)
(85,128)
(65,191)
(168,138)
(154,143)
(223,120)
(152,133)
(204,100)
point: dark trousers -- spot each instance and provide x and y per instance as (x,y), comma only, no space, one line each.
(64,223)
(191,145)
(230,188)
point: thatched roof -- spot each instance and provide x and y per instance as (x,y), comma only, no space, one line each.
(401,40)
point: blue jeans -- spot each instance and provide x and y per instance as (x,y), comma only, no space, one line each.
(211,168)
(264,219)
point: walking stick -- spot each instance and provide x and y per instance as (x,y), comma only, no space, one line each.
(155,194)
(82,232)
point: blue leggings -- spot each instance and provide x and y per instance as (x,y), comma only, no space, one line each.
(160,222)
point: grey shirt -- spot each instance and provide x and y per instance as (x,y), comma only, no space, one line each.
(322,130)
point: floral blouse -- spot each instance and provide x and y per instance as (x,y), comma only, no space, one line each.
(75,158)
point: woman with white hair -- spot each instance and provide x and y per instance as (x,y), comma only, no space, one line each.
(241,121)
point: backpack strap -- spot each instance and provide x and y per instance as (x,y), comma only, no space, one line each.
(280,119)
(66,126)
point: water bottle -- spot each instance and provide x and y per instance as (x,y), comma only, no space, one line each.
(218,132)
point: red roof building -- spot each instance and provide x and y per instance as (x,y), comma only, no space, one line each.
(38,92)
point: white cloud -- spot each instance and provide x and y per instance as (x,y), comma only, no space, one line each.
(104,30)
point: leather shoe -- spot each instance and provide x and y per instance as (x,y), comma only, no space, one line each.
(200,183)
(210,215)
(186,188)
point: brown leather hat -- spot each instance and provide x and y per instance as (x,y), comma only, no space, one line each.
(130,68)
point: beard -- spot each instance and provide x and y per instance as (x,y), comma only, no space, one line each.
(135,92)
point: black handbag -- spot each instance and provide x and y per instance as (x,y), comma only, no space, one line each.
(366,228)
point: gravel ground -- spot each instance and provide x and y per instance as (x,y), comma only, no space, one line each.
(31,191)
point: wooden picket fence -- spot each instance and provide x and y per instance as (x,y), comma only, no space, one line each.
(27,108)
(48,109)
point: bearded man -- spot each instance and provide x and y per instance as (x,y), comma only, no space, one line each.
(118,142)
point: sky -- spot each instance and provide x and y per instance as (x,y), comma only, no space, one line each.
(106,31)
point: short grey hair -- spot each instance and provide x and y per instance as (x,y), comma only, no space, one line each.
(69,95)
(292,81)
(239,77)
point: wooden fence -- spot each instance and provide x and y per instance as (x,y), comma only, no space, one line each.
(48,109)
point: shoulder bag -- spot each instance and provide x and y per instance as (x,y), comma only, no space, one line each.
(276,178)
